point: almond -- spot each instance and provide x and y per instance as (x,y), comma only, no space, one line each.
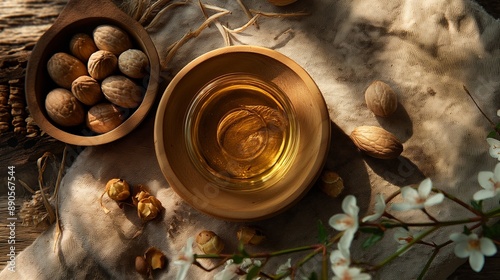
(376,142)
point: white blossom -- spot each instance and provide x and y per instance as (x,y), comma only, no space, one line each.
(474,248)
(350,273)
(184,259)
(379,209)
(490,181)
(403,237)
(284,268)
(494,147)
(346,222)
(418,199)
(340,257)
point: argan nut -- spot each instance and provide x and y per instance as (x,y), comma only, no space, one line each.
(64,69)
(82,46)
(122,91)
(102,64)
(104,117)
(63,108)
(381,99)
(133,63)
(376,142)
(331,183)
(87,90)
(117,189)
(111,38)
(142,266)
(149,208)
(250,235)
(209,242)
(155,258)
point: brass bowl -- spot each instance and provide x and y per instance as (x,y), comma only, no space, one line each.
(226,195)
(84,16)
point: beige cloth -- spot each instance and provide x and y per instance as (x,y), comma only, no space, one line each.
(426,50)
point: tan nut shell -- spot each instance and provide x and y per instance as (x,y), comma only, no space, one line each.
(209,242)
(87,90)
(122,91)
(331,183)
(63,108)
(250,235)
(381,99)
(118,189)
(111,38)
(104,117)
(64,69)
(376,142)
(82,46)
(102,64)
(133,63)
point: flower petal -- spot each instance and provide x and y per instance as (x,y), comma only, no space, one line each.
(348,202)
(346,240)
(337,258)
(484,179)
(496,176)
(483,194)
(435,199)
(337,222)
(458,237)
(487,246)
(476,260)
(409,193)
(404,206)
(425,187)
(461,250)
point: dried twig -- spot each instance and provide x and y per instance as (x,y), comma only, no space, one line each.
(248,13)
(175,47)
(223,32)
(160,14)
(147,13)
(280,15)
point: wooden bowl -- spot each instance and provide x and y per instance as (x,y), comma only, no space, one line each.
(211,194)
(83,16)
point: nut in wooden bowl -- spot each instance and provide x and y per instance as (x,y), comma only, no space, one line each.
(59,60)
(376,142)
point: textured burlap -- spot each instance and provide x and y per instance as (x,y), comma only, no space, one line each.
(426,50)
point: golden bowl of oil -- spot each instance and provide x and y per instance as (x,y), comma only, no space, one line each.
(241,133)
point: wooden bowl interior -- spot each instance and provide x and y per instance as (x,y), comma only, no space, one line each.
(39,83)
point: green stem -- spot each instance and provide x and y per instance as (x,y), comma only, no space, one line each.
(324,272)
(403,249)
(460,202)
(428,264)
(493,213)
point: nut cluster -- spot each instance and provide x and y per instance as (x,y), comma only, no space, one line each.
(210,243)
(148,206)
(101,72)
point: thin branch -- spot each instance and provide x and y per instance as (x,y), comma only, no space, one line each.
(150,9)
(480,110)
(175,47)
(280,15)
(248,13)
(160,14)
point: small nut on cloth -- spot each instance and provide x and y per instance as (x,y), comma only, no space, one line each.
(142,266)
(149,208)
(376,142)
(118,189)
(209,242)
(331,183)
(381,99)
(250,235)
(155,258)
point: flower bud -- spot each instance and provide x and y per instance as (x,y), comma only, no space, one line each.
(209,243)
(117,189)
(149,208)
(250,235)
